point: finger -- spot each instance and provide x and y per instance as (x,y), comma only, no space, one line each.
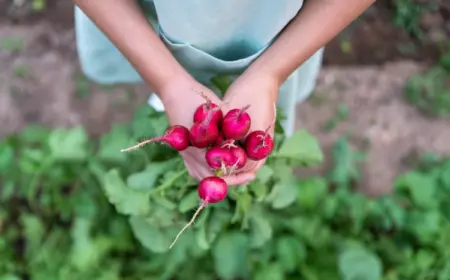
(239,179)
(250,166)
(204,172)
(192,172)
(259,165)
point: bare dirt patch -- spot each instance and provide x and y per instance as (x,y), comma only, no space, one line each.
(378,115)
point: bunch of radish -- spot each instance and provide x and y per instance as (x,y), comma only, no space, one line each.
(228,145)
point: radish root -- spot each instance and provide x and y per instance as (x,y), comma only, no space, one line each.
(203,205)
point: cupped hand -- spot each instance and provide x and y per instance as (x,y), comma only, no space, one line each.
(181,98)
(260,92)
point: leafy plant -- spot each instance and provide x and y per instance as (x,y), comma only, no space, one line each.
(430,92)
(408,14)
(76,208)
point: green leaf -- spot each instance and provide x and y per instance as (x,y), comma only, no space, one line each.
(330,206)
(312,230)
(301,147)
(421,187)
(33,232)
(260,230)
(311,192)
(445,175)
(147,124)
(264,174)
(424,260)
(34,134)
(127,201)
(68,145)
(425,225)
(147,179)
(290,252)
(359,263)
(215,224)
(243,206)
(111,144)
(87,252)
(149,235)
(189,202)
(345,159)
(9,277)
(444,274)
(162,212)
(272,271)
(259,190)
(230,255)
(200,238)
(284,193)
(6,157)
(221,82)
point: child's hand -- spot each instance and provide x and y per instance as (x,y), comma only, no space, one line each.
(260,92)
(181,99)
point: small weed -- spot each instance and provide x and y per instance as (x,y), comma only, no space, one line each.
(21,71)
(346,46)
(408,14)
(444,61)
(38,5)
(12,44)
(346,170)
(82,86)
(340,115)
(430,92)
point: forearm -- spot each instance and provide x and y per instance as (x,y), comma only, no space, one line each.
(126,26)
(317,23)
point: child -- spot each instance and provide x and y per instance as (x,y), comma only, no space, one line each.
(272,49)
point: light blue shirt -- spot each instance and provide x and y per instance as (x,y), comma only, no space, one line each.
(226,29)
(208,38)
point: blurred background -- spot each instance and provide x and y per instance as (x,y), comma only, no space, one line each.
(376,207)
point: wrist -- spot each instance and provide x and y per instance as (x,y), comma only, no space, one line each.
(260,75)
(174,87)
(263,67)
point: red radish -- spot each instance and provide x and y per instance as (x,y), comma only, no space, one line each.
(236,123)
(220,140)
(218,157)
(239,157)
(258,145)
(203,110)
(203,134)
(176,136)
(211,190)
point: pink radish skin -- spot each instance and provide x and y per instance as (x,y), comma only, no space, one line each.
(211,190)
(236,123)
(176,137)
(218,157)
(203,134)
(258,145)
(239,157)
(202,113)
(220,140)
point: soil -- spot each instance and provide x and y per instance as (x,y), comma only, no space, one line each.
(40,82)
